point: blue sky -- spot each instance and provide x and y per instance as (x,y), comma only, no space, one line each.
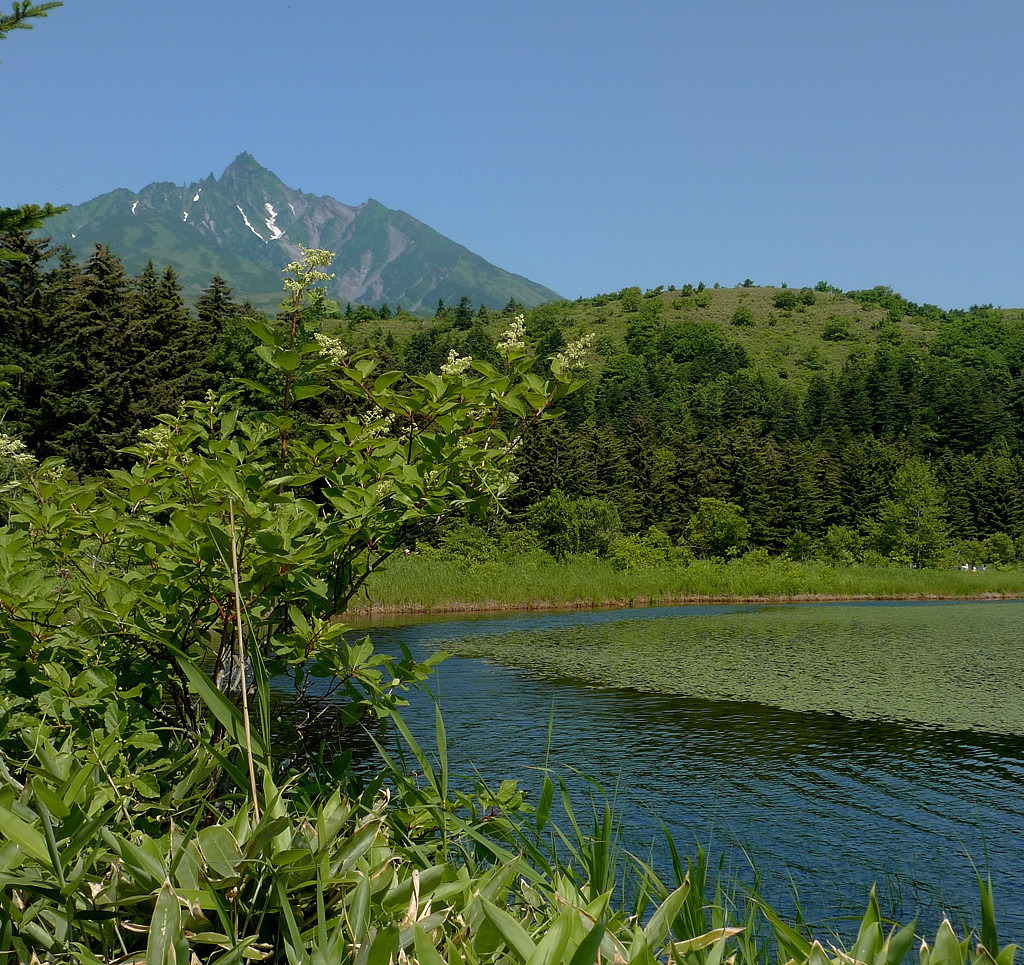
(587,145)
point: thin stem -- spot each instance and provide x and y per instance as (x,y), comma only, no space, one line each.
(241,664)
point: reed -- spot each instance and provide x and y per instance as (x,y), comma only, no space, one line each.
(427,584)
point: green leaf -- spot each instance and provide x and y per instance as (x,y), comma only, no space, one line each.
(221,851)
(356,847)
(306,390)
(385,381)
(699,942)
(359,912)
(898,946)
(989,936)
(514,934)
(947,950)
(551,947)
(586,953)
(426,954)
(385,947)
(547,796)
(442,750)
(287,360)
(261,330)
(146,785)
(50,801)
(223,709)
(662,919)
(791,941)
(23,836)
(166,940)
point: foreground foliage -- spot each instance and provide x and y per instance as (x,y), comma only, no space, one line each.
(157,801)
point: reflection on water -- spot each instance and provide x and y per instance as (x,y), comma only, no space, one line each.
(836,803)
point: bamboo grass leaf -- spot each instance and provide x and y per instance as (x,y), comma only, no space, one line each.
(898,945)
(706,940)
(426,953)
(947,950)
(54,804)
(791,941)
(421,757)
(551,947)
(355,847)
(587,951)
(662,919)
(869,934)
(166,943)
(295,947)
(221,851)
(989,936)
(385,947)
(23,835)
(514,934)
(359,911)
(227,714)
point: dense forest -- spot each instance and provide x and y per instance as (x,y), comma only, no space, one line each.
(851,426)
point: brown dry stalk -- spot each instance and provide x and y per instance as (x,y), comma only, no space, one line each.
(241,665)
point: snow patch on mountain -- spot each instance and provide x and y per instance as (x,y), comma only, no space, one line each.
(271,222)
(248,225)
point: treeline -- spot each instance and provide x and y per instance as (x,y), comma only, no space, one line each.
(908,451)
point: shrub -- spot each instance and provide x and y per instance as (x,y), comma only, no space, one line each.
(743,316)
(565,526)
(999,548)
(836,329)
(466,544)
(630,298)
(799,546)
(654,548)
(842,545)
(717,528)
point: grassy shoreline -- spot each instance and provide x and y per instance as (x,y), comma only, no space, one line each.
(417,585)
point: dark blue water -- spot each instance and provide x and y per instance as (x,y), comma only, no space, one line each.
(820,804)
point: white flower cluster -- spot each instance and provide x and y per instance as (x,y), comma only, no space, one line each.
(307,271)
(384,489)
(512,340)
(14,450)
(574,358)
(377,422)
(331,348)
(158,437)
(456,365)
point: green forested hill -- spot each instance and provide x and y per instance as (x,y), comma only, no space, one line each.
(855,426)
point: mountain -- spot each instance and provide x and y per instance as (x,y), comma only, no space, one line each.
(247,225)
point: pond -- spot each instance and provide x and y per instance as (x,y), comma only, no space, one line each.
(832,746)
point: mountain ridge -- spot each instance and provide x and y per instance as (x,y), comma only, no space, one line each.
(248,224)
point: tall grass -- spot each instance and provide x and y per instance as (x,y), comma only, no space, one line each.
(416,583)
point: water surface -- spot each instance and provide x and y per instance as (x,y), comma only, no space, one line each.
(835,745)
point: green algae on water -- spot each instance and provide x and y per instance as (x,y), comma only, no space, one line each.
(950,665)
